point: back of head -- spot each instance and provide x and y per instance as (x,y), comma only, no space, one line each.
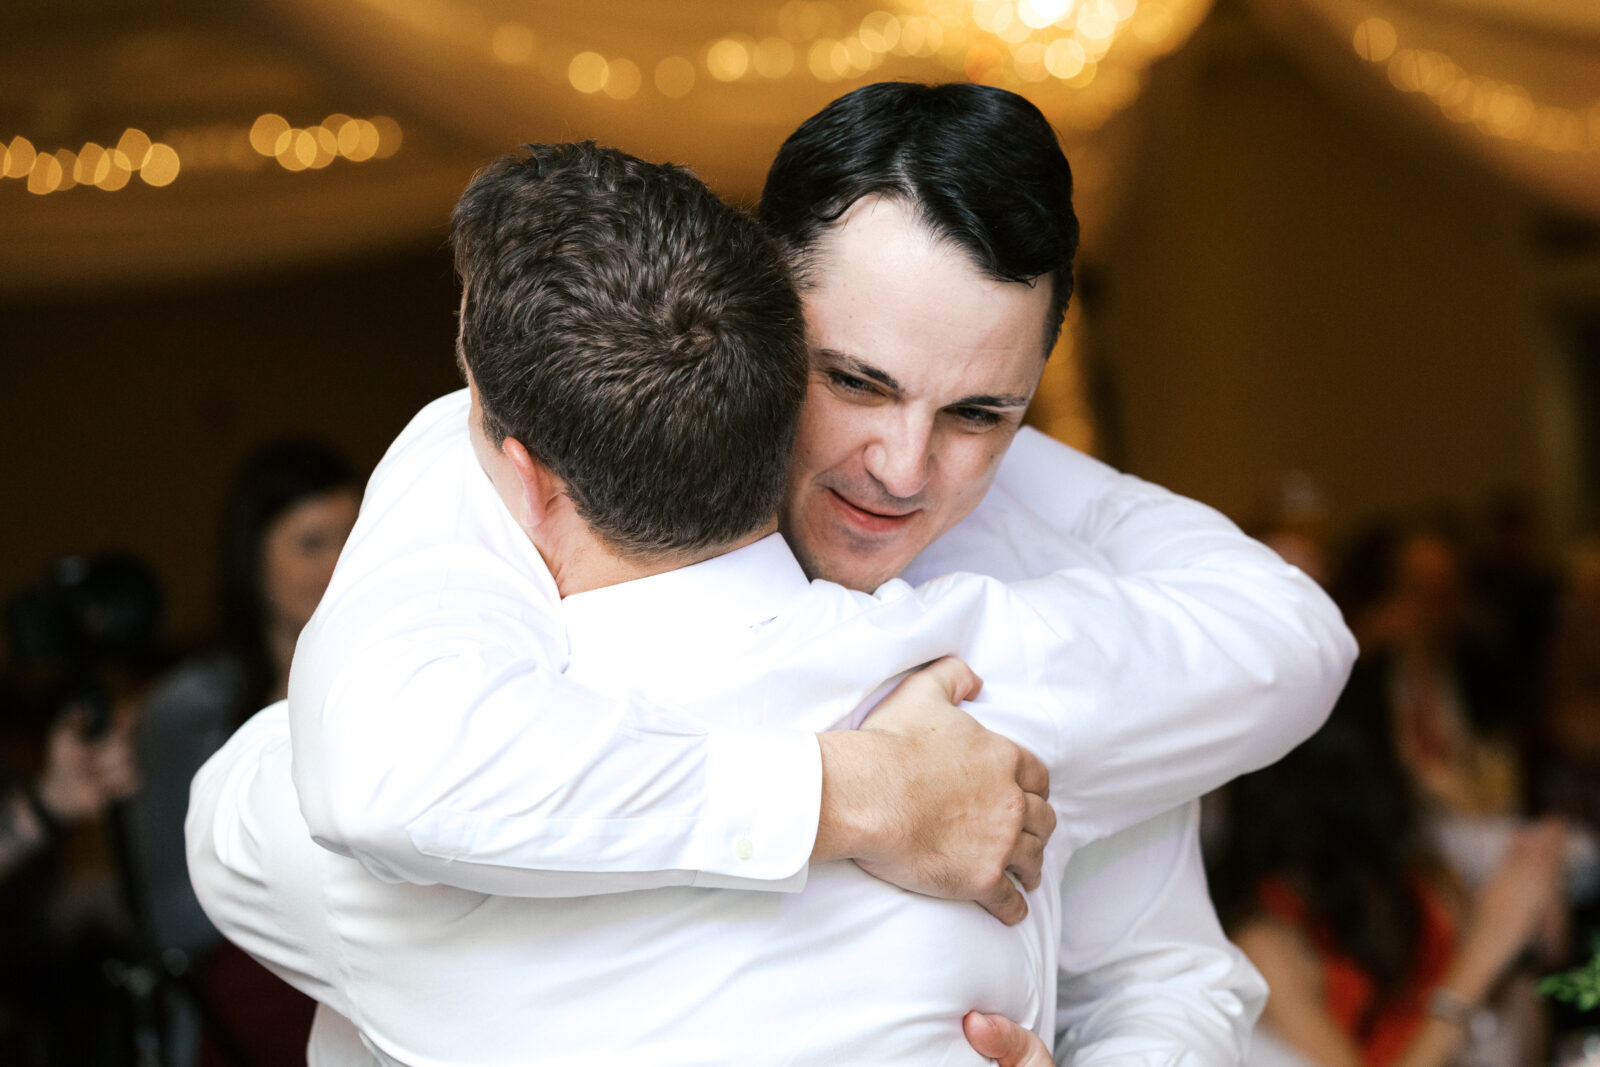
(981,164)
(639,337)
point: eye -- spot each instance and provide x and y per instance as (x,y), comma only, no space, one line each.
(848,383)
(978,418)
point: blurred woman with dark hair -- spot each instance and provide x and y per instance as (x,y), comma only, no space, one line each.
(288,512)
(1374,953)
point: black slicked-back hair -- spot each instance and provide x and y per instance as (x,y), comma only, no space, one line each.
(638,336)
(981,165)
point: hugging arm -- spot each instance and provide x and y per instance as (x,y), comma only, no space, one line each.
(1183,652)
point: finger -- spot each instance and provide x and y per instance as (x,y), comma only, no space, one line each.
(1032,775)
(954,677)
(1027,860)
(1005,902)
(1038,818)
(1002,1040)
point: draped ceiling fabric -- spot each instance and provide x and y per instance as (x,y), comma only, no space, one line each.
(714,84)
(182,140)
(1513,85)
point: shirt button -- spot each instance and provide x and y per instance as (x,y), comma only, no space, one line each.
(743,848)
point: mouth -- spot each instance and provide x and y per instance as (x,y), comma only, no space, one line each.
(869,521)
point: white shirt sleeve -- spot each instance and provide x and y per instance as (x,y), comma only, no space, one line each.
(254,870)
(443,755)
(436,740)
(1147,978)
(1202,654)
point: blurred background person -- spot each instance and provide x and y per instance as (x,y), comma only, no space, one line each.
(1456,711)
(289,510)
(1375,952)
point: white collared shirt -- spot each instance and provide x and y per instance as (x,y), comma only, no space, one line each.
(1202,653)
(851,970)
(435,742)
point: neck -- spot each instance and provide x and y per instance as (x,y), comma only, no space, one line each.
(581,561)
(577,557)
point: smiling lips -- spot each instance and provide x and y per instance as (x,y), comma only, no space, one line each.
(869,521)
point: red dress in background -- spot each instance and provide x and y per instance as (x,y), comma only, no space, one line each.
(1348,989)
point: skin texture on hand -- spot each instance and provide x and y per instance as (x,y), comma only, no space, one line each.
(924,797)
(1003,1041)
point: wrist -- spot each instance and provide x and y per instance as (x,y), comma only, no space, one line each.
(848,823)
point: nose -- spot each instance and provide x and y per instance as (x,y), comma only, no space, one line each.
(900,457)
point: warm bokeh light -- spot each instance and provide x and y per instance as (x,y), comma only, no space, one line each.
(587,72)
(727,60)
(20,155)
(365,144)
(113,172)
(674,77)
(1064,58)
(134,144)
(1495,108)
(267,133)
(45,174)
(622,79)
(161,166)
(1375,40)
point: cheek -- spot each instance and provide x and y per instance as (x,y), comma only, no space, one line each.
(829,432)
(968,467)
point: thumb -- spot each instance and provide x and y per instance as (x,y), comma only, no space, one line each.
(1003,1041)
(954,678)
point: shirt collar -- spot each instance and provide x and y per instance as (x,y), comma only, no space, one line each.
(742,588)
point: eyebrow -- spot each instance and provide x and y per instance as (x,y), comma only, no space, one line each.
(852,365)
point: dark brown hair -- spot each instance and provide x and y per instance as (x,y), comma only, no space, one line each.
(638,336)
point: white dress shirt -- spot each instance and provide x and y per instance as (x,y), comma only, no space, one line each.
(851,970)
(1198,653)
(1203,654)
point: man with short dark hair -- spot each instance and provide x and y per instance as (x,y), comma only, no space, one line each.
(1162,581)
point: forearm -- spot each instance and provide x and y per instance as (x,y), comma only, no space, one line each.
(488,771)
(1184,653)
(1146,974)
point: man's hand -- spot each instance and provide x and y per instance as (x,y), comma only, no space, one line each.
(1003,1041)
(924,797)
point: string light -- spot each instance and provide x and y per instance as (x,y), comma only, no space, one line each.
(1495,108)
(1034,45)
(158,163)
(1020,42)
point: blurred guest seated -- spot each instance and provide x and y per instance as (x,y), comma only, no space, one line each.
(289,510)
(1375,954)
(1454,711)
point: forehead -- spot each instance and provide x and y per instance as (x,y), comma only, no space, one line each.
(883,289)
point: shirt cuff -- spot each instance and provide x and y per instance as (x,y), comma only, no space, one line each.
(763,799)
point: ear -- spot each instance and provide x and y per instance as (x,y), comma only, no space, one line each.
(542,491)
